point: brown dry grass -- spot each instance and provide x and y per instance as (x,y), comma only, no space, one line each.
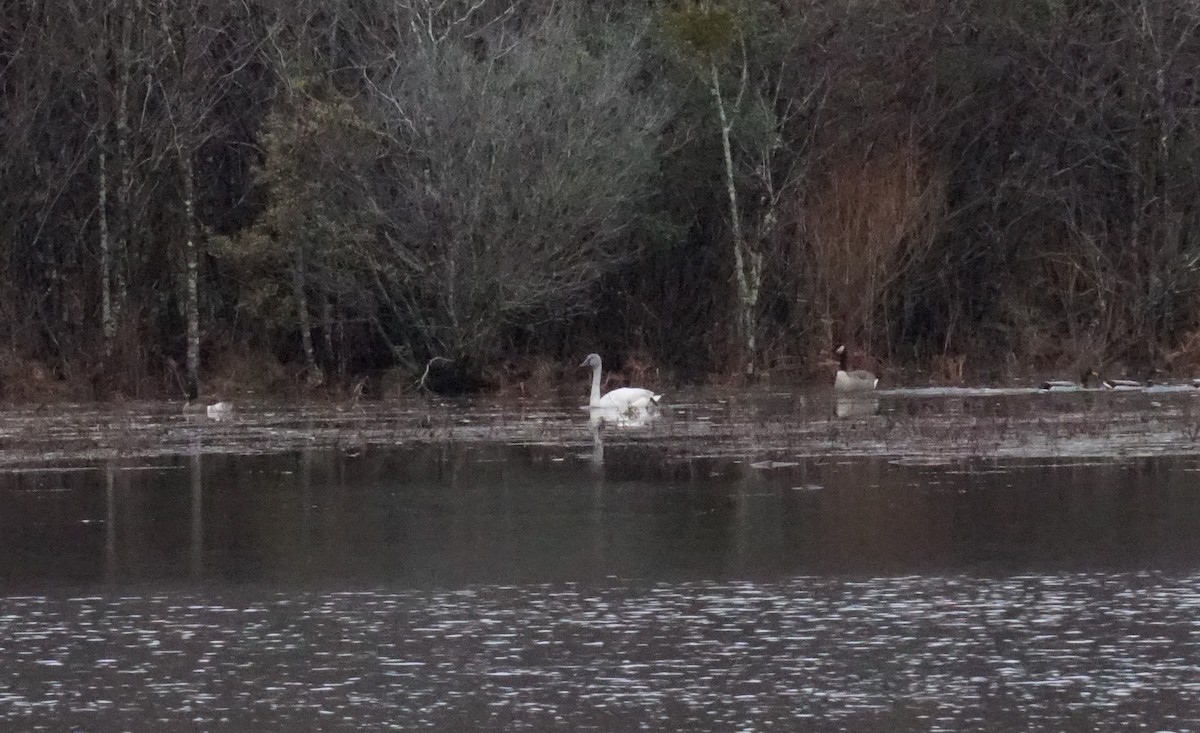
(1185,358)
(862,224)
(528,375)
(28,380)
(248,371)
(948,368)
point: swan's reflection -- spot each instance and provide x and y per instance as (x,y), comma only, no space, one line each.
(856,406)
(595,423)
(634,417)
(602,418)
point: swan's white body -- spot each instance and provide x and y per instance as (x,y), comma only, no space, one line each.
(858,380)
(622,399)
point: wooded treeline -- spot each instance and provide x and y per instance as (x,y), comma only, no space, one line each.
(712,186)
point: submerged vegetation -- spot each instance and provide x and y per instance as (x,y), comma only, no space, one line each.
(303,193)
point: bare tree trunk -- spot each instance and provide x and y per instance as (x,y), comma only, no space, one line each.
(192,263)
(747,263)
(305,321)
(341,352)
(327,329)
(124,204)
(107,318)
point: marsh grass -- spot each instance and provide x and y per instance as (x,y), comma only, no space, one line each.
(1189,422)
(708,424)
(863,225)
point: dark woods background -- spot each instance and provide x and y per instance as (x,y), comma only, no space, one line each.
(305,192)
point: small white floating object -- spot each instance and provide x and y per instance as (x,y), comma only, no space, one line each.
(220,410)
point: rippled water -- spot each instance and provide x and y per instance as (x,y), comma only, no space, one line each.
(1047,652)
(927,560)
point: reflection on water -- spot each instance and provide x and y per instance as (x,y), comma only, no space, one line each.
(683,572)
(605,418)
(633,417)
(444,514)
(855,405)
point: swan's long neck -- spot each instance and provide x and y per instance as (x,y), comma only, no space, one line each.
(595,386)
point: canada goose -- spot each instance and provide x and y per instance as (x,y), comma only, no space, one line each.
(622,399)
(858,380)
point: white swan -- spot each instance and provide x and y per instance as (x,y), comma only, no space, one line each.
(622,399)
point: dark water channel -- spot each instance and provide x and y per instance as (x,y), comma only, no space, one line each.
(608,584)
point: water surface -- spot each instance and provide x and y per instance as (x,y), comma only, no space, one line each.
(921,560)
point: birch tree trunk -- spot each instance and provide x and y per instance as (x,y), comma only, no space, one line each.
(747,263)
(107,319)
(303,318)
(192,276)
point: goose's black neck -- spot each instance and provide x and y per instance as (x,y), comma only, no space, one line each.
(842,360)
